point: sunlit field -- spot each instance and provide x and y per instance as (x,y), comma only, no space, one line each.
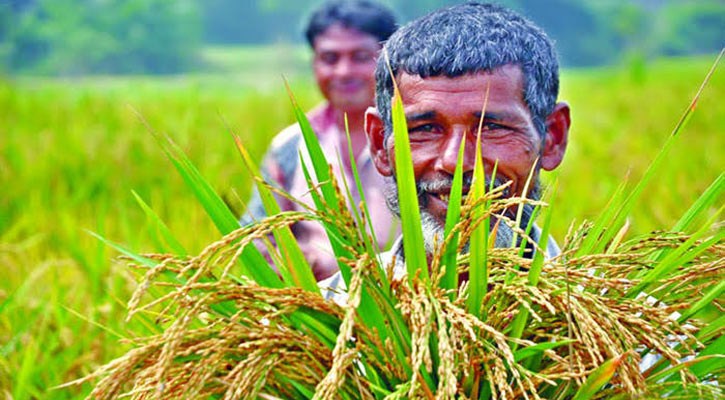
(72,152)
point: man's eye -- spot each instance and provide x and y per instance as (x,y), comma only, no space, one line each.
(423,128)
(329,58)
(362,56)
(492,126)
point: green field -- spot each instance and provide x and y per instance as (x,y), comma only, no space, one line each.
(71,152)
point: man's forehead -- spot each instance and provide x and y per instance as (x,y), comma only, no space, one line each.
(511,74)
(505,85)
(340,38)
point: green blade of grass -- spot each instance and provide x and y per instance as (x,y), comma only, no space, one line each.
(370,313)
(539,256)
(664,374)
(478,265)
(253,262)
(712,294)
(599,378)
(294,266)
(603,220)
(415,258)
(704,202)
(322,173)
(520,207)
(535,271)
(317,156)
(362,230)
(679,256)
(215,207)
(716,348)
(92,322)
(223,308)
(358,184)
(166,234)
(529,227)
(139,259)
(453,215)
(625,208)
(539,348)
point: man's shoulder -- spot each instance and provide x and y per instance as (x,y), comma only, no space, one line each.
(293,133)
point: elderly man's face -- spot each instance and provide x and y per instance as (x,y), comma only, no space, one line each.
(441,112)
(344,65)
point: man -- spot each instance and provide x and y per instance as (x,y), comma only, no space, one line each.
(443,64)
(346,37)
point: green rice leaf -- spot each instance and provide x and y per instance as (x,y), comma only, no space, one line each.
(254,264)
(128,253)
(478,266)
(317,156)
(520,207)
(603,220)
(322,173)
(599,378)
(294,267)
(704,202)
(536,266)
(538,262)
(717,363)
(682,254)
(625,208)
(539,348)
(166,234)
(358,184)
(212,203)
(448,261)
(415,258)
(664,374)
(373,315)
(712,294)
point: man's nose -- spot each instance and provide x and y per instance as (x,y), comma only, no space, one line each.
(343,66)
(449,153)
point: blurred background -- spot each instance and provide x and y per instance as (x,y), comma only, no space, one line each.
(72,37)
(78,79)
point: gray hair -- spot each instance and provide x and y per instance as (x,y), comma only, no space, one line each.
(470,38)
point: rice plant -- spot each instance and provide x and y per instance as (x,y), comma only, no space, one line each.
(610,317)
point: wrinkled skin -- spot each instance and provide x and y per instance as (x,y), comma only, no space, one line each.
(442,111)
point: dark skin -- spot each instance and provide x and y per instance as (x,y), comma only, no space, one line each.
(441,111)
(344,66)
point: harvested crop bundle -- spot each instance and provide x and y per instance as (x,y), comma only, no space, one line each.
(608,317)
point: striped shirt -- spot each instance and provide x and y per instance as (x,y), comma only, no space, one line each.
(281,166)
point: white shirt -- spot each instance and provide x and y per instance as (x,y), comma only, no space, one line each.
(334,288)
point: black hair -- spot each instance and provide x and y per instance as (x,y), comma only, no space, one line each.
(363,15)
(470,38)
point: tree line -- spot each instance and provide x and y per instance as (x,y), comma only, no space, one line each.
(74,37)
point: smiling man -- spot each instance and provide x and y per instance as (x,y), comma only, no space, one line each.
(346,38)
(443,64)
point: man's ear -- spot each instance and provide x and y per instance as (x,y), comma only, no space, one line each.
(375,132)
(557,136)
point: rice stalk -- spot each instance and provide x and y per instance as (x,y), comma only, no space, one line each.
(580,325)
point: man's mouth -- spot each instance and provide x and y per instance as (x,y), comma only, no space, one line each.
(445,195)
(348,85)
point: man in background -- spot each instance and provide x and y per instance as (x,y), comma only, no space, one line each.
(346,38)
